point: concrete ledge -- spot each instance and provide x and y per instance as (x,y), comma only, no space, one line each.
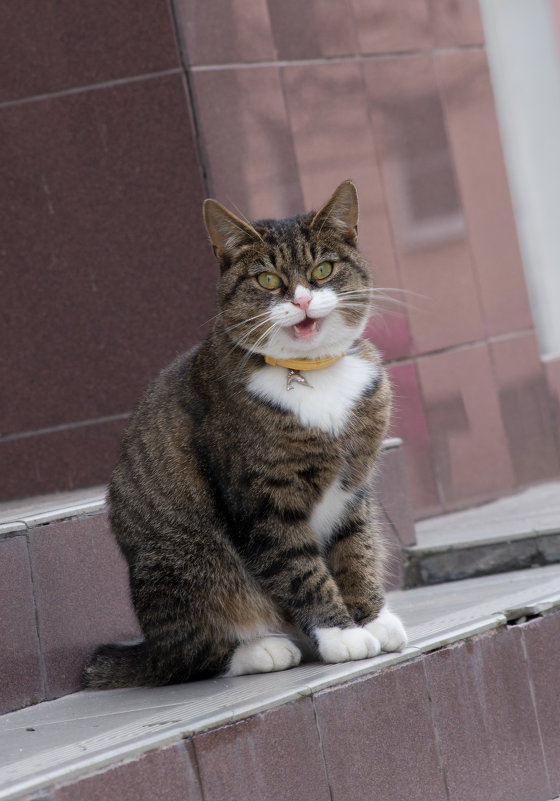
(513,533)
(224,737)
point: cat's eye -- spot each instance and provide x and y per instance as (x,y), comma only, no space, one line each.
(269,280)
(322,270)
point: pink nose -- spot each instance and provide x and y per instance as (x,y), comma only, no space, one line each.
(302,300)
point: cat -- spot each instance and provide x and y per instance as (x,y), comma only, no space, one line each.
(241,499)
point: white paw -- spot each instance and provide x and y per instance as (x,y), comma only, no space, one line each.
(342,645)
(264,656)
(389,630)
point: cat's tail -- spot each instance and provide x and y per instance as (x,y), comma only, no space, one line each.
(117,665)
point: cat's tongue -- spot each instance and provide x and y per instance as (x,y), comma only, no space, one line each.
(306,328)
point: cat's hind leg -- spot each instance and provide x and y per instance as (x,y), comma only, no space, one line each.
(264,655)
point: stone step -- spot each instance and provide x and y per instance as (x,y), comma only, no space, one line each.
(398,726)
(512,533)
(64,583)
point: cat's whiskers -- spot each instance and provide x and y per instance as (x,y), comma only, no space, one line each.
(243,322)
(240,343)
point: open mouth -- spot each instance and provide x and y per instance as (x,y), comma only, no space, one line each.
(307,328)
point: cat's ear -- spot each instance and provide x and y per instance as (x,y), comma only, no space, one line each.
(226,231)
(340,212)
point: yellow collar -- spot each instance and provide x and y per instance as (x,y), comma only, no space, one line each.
(303,364)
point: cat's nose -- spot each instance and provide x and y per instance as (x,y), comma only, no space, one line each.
(302,298)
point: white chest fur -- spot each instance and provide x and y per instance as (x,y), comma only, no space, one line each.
(328,402)
(328,512)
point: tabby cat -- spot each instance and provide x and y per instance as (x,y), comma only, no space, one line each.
(241,500)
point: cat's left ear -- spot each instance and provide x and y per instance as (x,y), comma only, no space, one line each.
(226,231)
(340,212)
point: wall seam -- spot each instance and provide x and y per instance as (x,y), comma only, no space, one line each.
(75,90)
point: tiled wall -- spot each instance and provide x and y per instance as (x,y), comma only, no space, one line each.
(288,99)
(292,99)
(105,273)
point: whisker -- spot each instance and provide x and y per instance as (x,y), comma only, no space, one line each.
(243,322)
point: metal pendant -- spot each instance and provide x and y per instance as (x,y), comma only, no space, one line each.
(294,377)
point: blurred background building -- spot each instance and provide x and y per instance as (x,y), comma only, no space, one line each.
(118,119)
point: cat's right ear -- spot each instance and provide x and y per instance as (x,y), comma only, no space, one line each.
(226,231)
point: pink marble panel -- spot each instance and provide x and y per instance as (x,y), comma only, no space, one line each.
(251,165)
(526,408)
(425,208)
(333,141)
(313,29)
(409,423)
(223,32)
(470,116)
(392,27)
(469,444)
(456,23)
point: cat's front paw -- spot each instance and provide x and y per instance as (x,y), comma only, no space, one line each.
(388,629)
(343,645)
(264,656)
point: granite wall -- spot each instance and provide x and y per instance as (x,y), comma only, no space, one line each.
(116,122)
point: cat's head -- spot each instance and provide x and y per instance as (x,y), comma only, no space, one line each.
(292,288)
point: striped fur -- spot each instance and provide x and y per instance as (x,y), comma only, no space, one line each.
(247,525)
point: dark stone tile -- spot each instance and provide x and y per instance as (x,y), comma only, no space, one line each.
(20,666)
(485,720)
(549,547)
(377,738)
(472,125)
(251,164)
(331,148)
(541,643)
(483,560)
(168,774)
(62,459)
(456,23)
(81,590)
(525,406)
(107,273)
(275,755)
(49,47)
(222,32)
(314,29)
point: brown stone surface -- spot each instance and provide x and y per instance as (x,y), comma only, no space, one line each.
(378,740)
(485,720)
(48,47)
(540,637)
(21,681)
(107,273)
(275,755)
(82,596)
(168,774)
